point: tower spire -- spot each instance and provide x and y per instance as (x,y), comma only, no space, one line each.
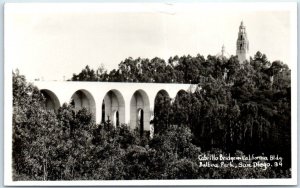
(242,44)
(223,50)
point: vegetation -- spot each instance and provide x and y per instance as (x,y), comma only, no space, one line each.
(236,109)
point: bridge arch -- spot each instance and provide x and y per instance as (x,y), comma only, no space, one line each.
(84,99)
(51,100)
(162,92)
(140,110)
(113,107)
(181,96)
(181,92)
(178,103)
(162,105)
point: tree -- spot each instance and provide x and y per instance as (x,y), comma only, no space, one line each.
(32,125)
(86,74)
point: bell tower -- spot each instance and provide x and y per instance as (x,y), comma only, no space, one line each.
(242,44)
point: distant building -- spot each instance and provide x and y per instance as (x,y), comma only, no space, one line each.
(223,54)
(242,44)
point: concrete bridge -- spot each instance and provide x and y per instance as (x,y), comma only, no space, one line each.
(130,103)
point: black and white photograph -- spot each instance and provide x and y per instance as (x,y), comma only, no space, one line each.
(150,94)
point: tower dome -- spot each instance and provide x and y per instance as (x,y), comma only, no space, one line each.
(223,54)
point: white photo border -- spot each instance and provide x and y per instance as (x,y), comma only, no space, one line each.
(138,7)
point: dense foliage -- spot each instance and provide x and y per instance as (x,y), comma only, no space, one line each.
(185,69)
(235,108)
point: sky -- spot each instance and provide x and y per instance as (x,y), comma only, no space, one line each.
(53,41)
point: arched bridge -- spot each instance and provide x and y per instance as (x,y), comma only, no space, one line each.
(130,103)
